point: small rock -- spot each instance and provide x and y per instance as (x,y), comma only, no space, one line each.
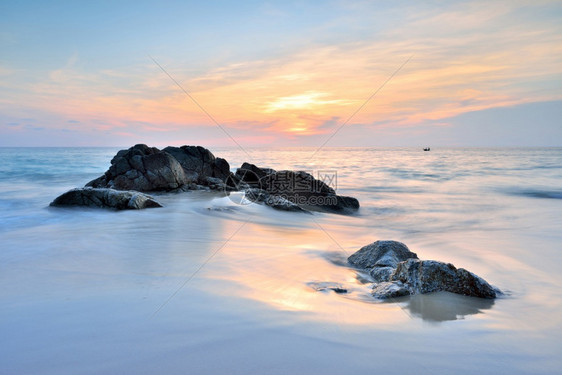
(386,290)
(397,271)
(381,254)
(322,286)
(426,276)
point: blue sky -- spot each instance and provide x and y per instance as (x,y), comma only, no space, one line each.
(281,73)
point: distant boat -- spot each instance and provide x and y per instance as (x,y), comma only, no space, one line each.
(427,149)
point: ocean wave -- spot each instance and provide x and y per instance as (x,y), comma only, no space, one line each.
(537,193)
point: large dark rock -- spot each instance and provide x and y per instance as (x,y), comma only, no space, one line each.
(396,271)
(143,168)
(105,198)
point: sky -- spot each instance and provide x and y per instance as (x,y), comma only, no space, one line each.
(281,73)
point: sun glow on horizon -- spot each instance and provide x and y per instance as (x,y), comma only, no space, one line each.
(307,101)
(297,129)
(291,87)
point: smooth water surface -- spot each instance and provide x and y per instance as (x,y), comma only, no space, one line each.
(206,285)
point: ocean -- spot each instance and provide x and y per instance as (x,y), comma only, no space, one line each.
(207,285)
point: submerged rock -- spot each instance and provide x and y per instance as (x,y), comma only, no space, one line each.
(261,196)
(298,187)
(323,286)
(105,198)
(396,271)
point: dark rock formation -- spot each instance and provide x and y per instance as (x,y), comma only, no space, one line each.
(397,271)
(145,169)
(142,168)
(105,198)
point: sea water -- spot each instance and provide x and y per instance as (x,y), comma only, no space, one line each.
(207,285)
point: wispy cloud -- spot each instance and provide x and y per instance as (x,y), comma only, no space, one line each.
(468,56)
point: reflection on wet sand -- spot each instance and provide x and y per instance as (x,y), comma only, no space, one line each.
(289,270)
(282,268)
(293,270)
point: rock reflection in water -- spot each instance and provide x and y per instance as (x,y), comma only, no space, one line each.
(443,306)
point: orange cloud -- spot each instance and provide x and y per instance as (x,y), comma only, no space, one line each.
(479,66)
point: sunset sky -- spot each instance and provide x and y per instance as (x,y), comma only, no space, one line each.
(283,73)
